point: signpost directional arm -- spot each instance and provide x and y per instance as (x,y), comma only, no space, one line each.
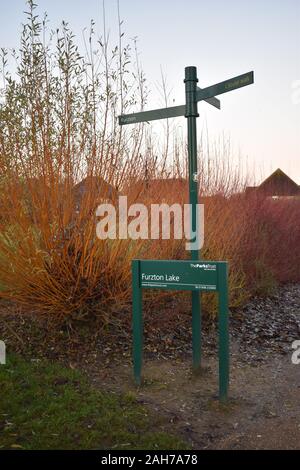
(145,116)
(212,101)
(223,87)
(163,113)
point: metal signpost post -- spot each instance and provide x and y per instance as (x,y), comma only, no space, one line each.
(191,114)
(193,94)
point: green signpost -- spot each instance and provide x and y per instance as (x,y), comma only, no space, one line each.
(193,94)
(209,276)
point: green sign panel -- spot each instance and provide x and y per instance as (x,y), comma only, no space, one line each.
(179,275)
(210,276)
(146,116)
(212,101)
(224,87)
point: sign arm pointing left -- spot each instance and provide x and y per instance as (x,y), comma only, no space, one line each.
(152,115)
(163,113)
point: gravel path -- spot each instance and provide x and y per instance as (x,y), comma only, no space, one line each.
(268,326)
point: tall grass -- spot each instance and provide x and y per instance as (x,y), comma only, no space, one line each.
(58,124)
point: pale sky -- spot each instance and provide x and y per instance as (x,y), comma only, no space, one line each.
(223,39)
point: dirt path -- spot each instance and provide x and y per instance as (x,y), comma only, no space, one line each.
(263,411)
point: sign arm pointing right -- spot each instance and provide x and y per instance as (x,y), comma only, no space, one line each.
(223,87)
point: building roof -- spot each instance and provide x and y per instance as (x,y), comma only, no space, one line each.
(277,184)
